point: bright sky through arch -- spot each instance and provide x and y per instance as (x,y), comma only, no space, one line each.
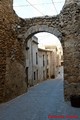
(47,39)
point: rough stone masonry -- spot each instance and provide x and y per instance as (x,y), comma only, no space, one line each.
(15,32)
(12,72)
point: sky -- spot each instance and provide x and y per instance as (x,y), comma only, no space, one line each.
(47,39)
(46,7)
(36,8)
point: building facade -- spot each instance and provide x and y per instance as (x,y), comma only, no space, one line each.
(46,64)
(56,57)
(32,61)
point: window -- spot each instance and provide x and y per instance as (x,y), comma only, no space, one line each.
(47,73)
(43,75)
(43,61)
(34,76)
(37,74)
(26,79)
(47,60)
(36,58)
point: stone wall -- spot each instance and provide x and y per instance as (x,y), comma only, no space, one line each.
(14,32)
(71,47)
(12,74)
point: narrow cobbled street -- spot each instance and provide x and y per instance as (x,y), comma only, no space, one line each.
(39,103)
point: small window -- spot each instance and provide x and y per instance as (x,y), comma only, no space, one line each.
(43,61)
(43,75)
(36,58)
(47,73)
(37,74)
(47,60)
(34,76)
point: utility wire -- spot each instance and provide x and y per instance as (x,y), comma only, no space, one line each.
(35,8)
(54,6)
(35,4)
(31,5)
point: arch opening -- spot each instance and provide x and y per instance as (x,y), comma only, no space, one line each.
(35,50)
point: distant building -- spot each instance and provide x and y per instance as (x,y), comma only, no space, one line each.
(46,66)
(56,57)
(41,64)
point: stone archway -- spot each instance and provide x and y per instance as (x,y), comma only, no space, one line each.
(42,28)
(37,29)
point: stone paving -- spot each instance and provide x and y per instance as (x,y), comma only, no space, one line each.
(39,102)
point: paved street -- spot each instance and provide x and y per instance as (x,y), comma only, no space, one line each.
(39,102)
